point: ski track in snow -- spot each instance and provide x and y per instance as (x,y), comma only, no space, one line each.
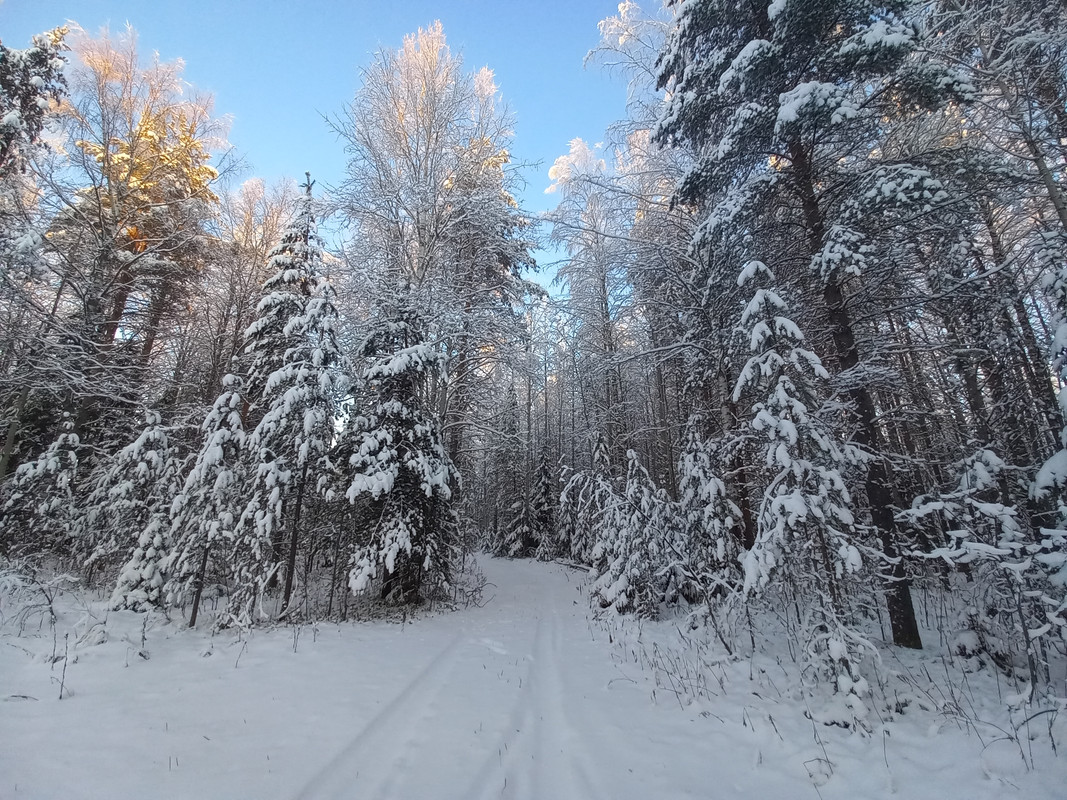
(538,753)
(378,755)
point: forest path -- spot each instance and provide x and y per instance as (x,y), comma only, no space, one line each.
(522,699)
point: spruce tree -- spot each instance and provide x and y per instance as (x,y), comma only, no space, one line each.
(296,381)
(518,533)
(514,534)
(805,521)
(41,504)
(806,536)
(401,476)
(588,498)
(205,513)
(640,543)
(544,511)
(707,516)
(140,484)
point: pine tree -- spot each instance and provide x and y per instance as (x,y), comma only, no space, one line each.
(778,100)
(400,472)
(295,383)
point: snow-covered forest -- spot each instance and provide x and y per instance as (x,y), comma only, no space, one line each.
(790,402)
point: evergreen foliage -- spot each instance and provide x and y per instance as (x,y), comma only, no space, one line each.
(41,499)
(31,80)
(802,450)
(296,381)
(400,472)
(132,500)
(206,511)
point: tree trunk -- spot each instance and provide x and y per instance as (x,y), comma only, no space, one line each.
(902,619)
(290,565)
(199,587)
(12,431)
(878,480)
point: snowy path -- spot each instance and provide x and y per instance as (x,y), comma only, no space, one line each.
(519,701)
(523,698)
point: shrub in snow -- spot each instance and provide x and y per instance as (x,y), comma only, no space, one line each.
(1015,571)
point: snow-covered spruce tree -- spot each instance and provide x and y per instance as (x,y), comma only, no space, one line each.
(708,518)
(400,473)
(30,80)
(781,103)
(805,535)
(140,484)
(587,500)
(518,533)
(204,514)
(40,503)
(641,546)
(567,519)
(512,535)
(543,511)
(296,381)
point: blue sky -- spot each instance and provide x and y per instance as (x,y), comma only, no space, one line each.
(275,67)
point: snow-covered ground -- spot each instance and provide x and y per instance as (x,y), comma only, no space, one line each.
(524,697)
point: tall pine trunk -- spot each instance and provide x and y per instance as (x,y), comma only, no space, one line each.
(878,481)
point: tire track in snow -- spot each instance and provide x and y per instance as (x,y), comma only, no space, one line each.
(371,763)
